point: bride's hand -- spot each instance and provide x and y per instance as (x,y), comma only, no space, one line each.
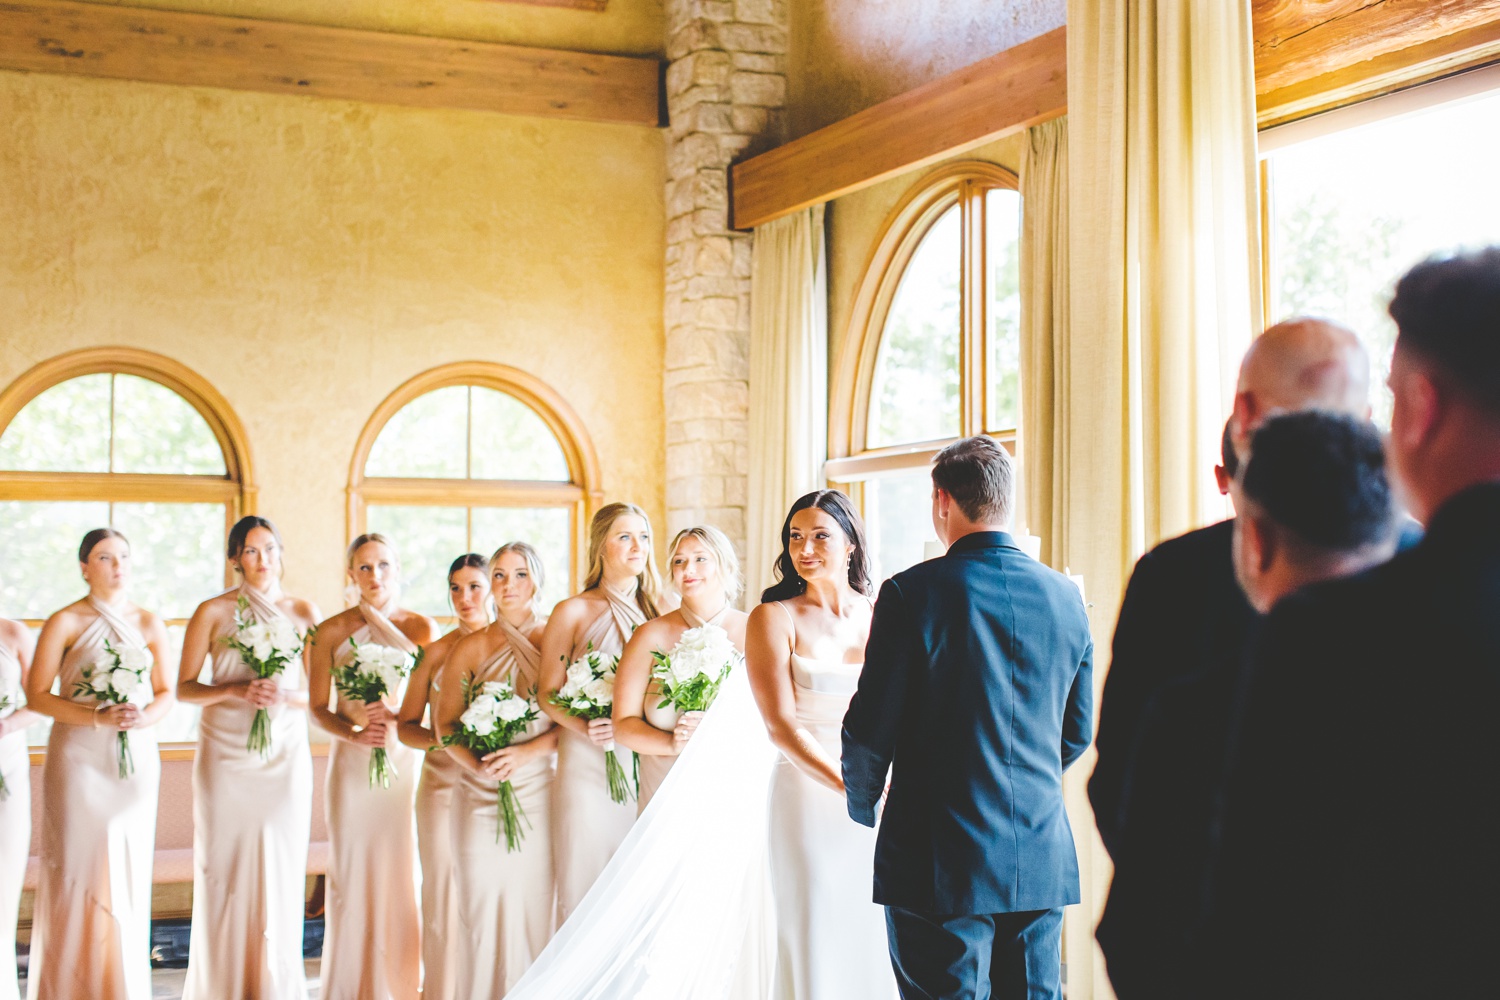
(686,727)
(601,732)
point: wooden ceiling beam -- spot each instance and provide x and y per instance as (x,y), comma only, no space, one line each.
(237,53)
(1022,86)
(1312,57)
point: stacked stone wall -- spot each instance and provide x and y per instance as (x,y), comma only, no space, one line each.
(726,97)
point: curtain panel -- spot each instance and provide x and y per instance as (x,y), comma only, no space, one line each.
(788,381)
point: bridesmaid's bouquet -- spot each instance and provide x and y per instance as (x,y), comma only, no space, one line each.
(590,694)
(690,673)
(495,715)
(373,672)
(266,650)
(11,701)
(124,677)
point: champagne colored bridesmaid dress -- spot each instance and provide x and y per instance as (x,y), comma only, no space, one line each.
(434,851)
(505,899)
(91,935)
(15,831)
(251,823)
(587,825)
(372,943)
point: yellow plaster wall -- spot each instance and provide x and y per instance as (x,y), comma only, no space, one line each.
(624,27)
(309,256)
(846,55)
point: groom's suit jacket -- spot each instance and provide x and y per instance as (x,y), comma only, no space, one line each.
(978,687)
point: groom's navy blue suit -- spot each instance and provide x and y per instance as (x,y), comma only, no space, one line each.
(978,687)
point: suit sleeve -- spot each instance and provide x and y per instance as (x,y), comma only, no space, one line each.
(875,717)
(1078,723)
(1126,691)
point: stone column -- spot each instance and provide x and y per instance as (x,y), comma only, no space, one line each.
(726,90)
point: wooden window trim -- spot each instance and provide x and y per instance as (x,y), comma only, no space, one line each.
(581,495)
(235,489)
(854,377)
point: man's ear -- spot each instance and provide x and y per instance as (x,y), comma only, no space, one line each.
(1223,478)
(1422,402)
(1244,416)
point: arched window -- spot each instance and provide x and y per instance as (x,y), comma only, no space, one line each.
(932,352)
(464,458)
(129,439)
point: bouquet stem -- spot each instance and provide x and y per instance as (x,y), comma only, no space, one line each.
(4,789)
(127,762)
(260,734)
(511,817)
(381,771)
(619,785)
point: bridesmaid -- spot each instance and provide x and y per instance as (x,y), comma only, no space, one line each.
(505,899)
(469,592)
(706,573)
(251,814)
(806,643)
(620,593)
(92,928)
(15,799)
(372,939)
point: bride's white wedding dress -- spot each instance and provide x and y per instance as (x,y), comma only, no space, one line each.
(684,909)
(830,937)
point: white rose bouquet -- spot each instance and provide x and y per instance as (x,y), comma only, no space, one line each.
(11,702)
(123,678)
(266,650)
(495,715)
(690,673)
(590,694)
(373,672)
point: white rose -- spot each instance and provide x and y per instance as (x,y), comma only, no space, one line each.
(141,696)
(600,690)
(99,680)
(579,674)
(367,654)
(495,689)
(284,637)
(580,704)
(123,680)
(512,709)
(136,658)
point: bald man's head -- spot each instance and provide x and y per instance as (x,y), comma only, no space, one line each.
(1301,364)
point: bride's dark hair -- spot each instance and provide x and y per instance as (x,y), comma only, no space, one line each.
(839,507)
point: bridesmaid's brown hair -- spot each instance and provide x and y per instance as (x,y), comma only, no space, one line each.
(242,529)
(94,538)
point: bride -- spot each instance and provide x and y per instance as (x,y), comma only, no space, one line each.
(683,910)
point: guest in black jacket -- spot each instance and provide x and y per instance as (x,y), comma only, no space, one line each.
(1358,851)
(1183,611)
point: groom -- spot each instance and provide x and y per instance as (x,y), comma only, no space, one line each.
(978,686)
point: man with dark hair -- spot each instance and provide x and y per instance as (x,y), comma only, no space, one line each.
(1313,504)
(978,688)
(1357,855)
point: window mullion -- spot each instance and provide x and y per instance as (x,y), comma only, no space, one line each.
(972,375)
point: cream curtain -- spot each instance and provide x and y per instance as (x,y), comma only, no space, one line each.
(1044,329)
(788,380)
(1163,293)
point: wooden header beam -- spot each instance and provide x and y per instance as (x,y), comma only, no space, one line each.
(1314,57)
(1022,86)
(209,50)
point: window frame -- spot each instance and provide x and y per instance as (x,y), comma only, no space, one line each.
(235,488)
(851,460)
(580,494)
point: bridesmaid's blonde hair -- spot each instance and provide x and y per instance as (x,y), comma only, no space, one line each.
(533,566)
(648,583)
(722,548)
(366,539)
